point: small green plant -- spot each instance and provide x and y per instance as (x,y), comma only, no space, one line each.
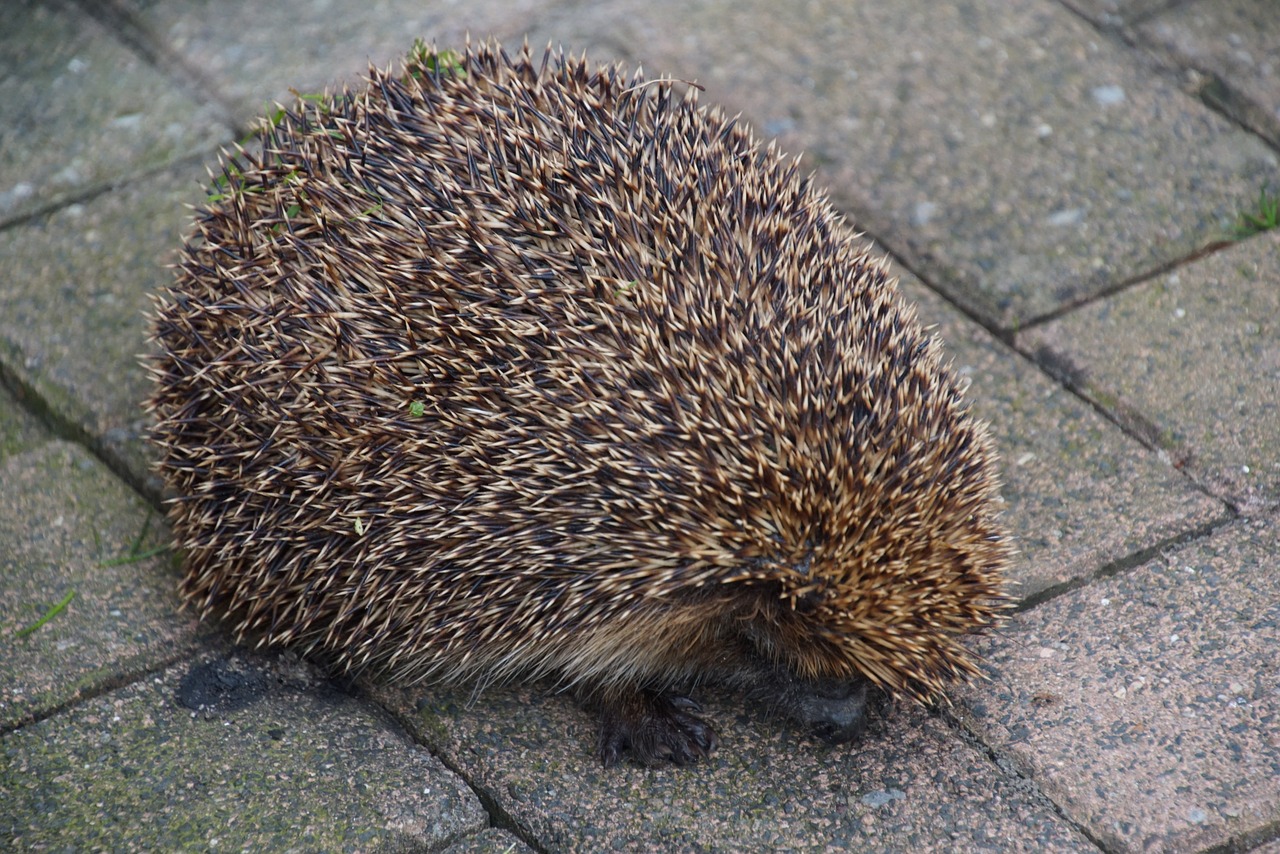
(48,615)
(417,408)
(136,552)
(435,61)
(1264,217)
(319,100)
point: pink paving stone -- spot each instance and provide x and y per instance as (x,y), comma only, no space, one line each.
(1191,359)
(1148,705)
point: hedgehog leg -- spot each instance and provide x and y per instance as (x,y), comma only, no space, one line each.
(657,728)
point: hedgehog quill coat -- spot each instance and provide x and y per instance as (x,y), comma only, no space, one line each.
(503,368)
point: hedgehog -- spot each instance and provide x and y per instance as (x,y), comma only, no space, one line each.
(497,366)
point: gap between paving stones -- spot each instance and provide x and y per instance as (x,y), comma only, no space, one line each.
(133,32)
(1127,423)
(1104,294)
(1124,564)
(102,688)
(1011,771)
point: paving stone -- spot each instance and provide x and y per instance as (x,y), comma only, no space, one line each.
(1080,494)
(270,759)
(1013,156)
(79,111)
(65,523)
(1115,13)
(1235,42)
(74,285)
(310,44)
(912,785)
(19,429)
(489,841)
(1192,360)
(1147,705)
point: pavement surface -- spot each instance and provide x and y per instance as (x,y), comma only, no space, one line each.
(1061,184)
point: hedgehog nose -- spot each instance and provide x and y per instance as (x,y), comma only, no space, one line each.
(838,713)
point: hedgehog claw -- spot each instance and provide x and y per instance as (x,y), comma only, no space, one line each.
(656,728)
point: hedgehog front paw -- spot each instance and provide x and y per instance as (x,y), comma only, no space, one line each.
(656,728)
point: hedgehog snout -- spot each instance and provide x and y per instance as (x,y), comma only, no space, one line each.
(835,711)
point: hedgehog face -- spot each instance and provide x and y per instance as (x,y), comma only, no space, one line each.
(888,603)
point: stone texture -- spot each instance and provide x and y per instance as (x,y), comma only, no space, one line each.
(74,285)
(310,44)
(272,759)
(1191,360)
(1235,44)
(1081,496)
(65,526)
(911,785)
(1013,157)
(489,841)
(80,111)
(1116,13)
(20,430)
(1147,705)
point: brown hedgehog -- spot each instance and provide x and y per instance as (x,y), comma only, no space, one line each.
(505,368)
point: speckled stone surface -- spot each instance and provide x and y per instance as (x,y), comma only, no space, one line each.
(194,758)
(20,429)
(1235,44)
(74,285)
(1193,359)
(1011,155)
(490,841)
(307,45)
(67,528)
(1147,705)
(912,785)
(64,74)
(1117,13)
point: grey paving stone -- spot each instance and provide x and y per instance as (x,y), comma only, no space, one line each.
(79,111)
(1191,359)
(19,429)
(73,288)
(1235,42)
(912,785)
(64,520)
(1146,704)
(1116,13)
(309,44)
(1080,494)
(275,761)
(1014,157)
